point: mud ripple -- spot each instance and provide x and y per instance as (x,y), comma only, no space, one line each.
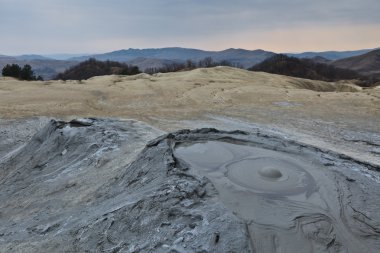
(290,201)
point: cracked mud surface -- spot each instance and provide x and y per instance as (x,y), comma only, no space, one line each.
(94,185)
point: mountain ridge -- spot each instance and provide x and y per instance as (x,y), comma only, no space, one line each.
(246,58)
(331,55)
(48,67)
(368,64)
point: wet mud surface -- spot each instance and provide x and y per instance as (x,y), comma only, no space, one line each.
(102,185)
(284,197)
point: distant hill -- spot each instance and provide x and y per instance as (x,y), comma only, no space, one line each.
(320,59)
(245,58)
(46,68)
(304,68)
(156,58)
(242,57)
(30,57)
(146,63)
(367,64)
(92,67)
(64,57)
(330,55)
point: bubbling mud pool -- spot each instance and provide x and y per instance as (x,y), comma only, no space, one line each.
(290,202)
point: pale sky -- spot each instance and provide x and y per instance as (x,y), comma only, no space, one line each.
(96,26)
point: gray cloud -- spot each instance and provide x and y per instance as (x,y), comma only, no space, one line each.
(88,25)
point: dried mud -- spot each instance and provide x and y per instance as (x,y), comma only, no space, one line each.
(95,185)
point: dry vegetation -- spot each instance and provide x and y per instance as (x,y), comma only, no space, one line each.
(256,96)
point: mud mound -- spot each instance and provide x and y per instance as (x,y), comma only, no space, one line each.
(84,186)
(78,187)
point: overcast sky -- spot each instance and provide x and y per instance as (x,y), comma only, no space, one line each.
(93,26)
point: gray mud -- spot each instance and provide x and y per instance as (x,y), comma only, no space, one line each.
(82,186)
(14,133)
(283,196)
(293,197)
(91,186)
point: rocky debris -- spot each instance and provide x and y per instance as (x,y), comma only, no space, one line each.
(91,186)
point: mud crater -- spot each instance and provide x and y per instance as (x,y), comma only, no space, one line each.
(284,193)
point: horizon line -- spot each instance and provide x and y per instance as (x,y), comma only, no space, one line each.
(155,48)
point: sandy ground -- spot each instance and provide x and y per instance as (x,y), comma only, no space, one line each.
(331,112)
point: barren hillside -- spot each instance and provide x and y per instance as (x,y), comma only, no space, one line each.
(220,90)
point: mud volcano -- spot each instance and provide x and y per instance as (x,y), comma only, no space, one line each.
(293,198)
(103,185)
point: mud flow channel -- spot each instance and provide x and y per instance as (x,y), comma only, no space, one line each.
(290,202)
